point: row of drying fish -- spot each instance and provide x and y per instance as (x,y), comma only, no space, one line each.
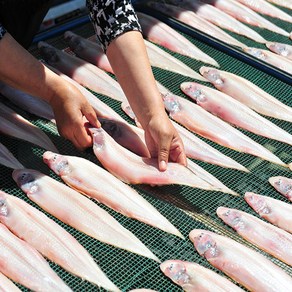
(242,264)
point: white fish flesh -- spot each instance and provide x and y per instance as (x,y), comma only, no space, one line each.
(194,277)
(192,19)
(219,18)
(263,7)
(246,15)
(244,265)
(271,58)
(77,211)
(83,72)
(247,93)
(234,112)
(281,49)
(283,185)
(284,3)
(275,211)
(198,120)
(27,102)
(95,182)
(50,239)
(8,159)
(162,34)
(266,236)
(140,170)
(6,285)
(15,125)
(23,264)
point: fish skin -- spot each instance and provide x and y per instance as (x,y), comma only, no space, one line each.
(27,102)
(219,18)
(252,95)
(284,3)
(213,128)
(15,125)
(234,112)
(194,277)
(83,72)
(6,285)
(7,158)
(23,264)
(263,7)
(71,207)
(271,58)
(190,18)
(146,171)
(111,192)
(275,211)
(246,266)
(88,50)
(246,15)
(266,236)
(50,239)
(160,33)
(281,49)
(283,185)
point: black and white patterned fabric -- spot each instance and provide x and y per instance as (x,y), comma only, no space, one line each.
(2,31)
(112,18)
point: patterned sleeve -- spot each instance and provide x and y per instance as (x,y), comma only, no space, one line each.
(112,18)
(2,31)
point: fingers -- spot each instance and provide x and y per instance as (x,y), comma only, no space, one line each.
(90,115)
(163,152)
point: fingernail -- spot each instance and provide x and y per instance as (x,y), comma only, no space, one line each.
(162,165)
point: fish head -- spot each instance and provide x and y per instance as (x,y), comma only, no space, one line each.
(3,205)
(278,48)
(212,75)
(260,54)
(204,243)
(171,103)
(98,138)
(194,91)
(26,179)
(257,202)
(176,271)
(281,184)
(49,53)
(57,163)
(231,217)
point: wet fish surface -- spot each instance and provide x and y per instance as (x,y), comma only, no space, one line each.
(283,50)
(283,185)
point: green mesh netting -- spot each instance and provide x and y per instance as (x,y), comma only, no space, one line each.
(187,208)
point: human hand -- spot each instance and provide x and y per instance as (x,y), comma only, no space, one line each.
(164,142)
(72,111)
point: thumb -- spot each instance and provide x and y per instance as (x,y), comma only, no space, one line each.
(90,115)
(163,155)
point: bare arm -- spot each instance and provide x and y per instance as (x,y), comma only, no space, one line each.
(18,68)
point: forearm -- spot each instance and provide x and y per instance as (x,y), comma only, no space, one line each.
(129,60)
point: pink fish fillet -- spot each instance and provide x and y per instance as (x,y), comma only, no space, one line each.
(281,49)
(194,277)
(266,236)
(263,7)
(29,103)
(271,58)
(246,15)
(95,182)
(283,185)
(247,93)
(50,239)
(6,285)
(198,120)
(23,264)
(275,211)
(83,72)
(160,33)
(88,50)
(234,112)
(284,3)
(140,170)
(192,19)
(244,265)
(219,18)
(15,125)
(77,211)
(8,159)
